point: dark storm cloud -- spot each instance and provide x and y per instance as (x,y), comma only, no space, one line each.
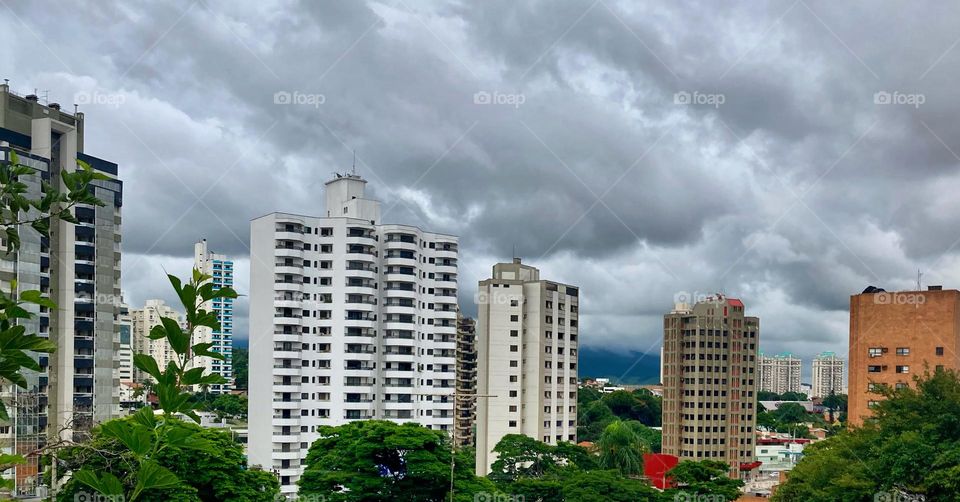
(793,193)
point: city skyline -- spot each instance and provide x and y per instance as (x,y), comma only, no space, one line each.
(795,261)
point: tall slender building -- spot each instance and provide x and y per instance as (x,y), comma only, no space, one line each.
(79,268)
(221,269)
(894,336)
(779,373)
(710,383)
(465,408)
(527,340)
(350,319)
(828,372)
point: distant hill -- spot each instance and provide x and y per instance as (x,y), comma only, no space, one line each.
(622,367)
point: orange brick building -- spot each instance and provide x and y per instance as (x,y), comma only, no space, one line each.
(895,336)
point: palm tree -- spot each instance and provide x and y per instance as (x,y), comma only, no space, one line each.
(621,449)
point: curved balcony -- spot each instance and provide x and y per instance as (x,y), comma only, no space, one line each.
(288,236)
(286,371)
(288,270)
(366,273)
(287,337)
(287,320)
(287,304)
(288,252)
(396,244)
(286,388)
(287,354)
(398,309)
(401,262)
(288,286)
(397,405)
(445,253)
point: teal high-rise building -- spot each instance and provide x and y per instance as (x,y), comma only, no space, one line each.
(221,269)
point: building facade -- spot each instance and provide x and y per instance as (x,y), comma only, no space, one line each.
(710,382)
(350,319)
(143,320)
(894,336)
(79,269)
(465,406)
(221,269)
(527,340)
(779,373)
(829,371)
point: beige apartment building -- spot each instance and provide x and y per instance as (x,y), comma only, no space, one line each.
(828,373)
(527,331)
(710,382)
(779,373)
(144,319)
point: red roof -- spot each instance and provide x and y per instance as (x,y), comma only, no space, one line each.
(735,302)
(750,466)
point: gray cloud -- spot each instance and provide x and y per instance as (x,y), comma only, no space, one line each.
(795,192)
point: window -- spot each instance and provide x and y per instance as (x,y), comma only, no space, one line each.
(514,318)
(513,348)
(903,351)
(514,303)
(871,404)
(514,332)
(513,393)
(903,369)
(512,423)
(939,351)
(873,369)
(513,364)
(874,351)
(873,387)
(901,385)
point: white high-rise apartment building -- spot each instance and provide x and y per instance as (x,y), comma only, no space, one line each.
(779,373)
(144,320)
(350,319)
(527,331)
(221,269)
(828,372)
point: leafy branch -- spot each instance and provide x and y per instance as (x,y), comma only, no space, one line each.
(146,435)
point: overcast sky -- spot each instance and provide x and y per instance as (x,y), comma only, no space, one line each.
(638,150)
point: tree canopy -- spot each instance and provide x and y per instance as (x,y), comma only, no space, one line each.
(911,446)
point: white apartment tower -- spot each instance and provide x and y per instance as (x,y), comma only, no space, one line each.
(527,331)
(221,270)
(779,373)
(350,319)
(143,321)
(828,372)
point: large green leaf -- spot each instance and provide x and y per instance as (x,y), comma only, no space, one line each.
(108,484)
(153,476)
(34,296)
(147,364)
(134,436)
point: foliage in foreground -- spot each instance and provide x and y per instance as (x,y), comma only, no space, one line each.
(595,411)
(217,472)
(911,447)
(148,437)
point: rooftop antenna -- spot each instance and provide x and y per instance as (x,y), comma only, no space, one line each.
(354,162)
(919,276)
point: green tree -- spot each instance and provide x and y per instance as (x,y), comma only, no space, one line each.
(621,449)
(218,473)
(790,413)
(651,437)
(793,396)
(241,367)
(642,406)
(376,460)
(912,445)
(592,419)
(706,478)
(605,486)
(146,435)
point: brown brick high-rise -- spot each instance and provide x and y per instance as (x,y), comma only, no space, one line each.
(710,382)
(896,336)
